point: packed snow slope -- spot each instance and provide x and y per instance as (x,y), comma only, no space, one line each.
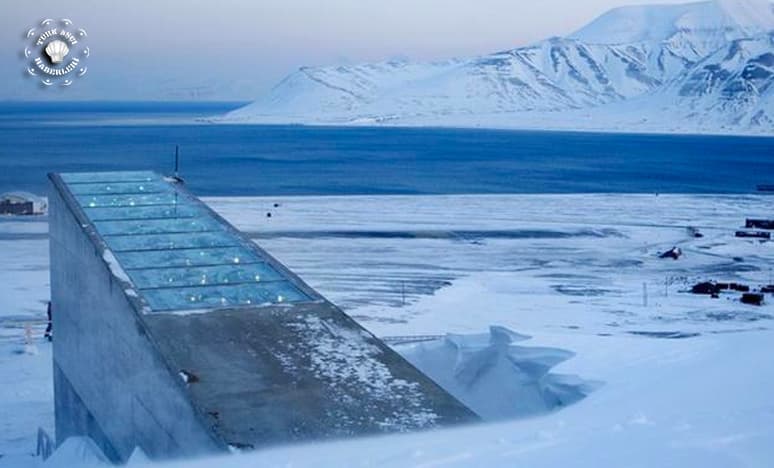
(698,67)
(624,367)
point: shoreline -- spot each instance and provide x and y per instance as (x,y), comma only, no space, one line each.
(504,128)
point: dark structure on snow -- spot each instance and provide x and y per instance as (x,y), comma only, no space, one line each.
(754,234)
(23,208)
(752,298)
(21,203)
(177,334)
(759,223)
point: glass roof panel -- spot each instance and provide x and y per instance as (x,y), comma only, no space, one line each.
(143,212)
(108,188)
(273,292)
(157,226)
(177,253)
(187,257)
(94,201)
(204,276)
(171,241)
(90,177)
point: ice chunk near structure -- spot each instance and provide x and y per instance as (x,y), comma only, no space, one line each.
(178,335)
(77,451)
(496,378)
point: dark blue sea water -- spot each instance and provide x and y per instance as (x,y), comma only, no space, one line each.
(261,160)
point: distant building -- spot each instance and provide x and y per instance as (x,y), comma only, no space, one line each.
(177,334)
(22,203)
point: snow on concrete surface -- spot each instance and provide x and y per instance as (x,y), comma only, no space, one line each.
(115,266)
(686,378)
(341,357)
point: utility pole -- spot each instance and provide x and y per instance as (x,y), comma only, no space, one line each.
(176,176)
(177,162)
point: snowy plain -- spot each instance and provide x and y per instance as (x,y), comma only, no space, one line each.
(678,379)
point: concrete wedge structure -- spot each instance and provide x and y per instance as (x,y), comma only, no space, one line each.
(177,334)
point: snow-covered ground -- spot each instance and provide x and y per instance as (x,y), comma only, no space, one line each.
(672,378)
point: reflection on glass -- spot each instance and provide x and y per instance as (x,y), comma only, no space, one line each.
(143,212)
(171,241)
(156,226)
(97,201)
(176,253)
(204,276)
(73,178)
(107,188)
(188,257)
(274,292)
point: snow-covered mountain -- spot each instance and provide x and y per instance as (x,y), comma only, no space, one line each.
(704,67)
(735,82)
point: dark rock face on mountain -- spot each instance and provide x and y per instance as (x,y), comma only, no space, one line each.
(696,67)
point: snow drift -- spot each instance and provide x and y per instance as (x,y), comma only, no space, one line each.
(496,378)
(77,451)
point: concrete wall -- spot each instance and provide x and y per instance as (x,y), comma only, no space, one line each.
(111,383)
(272,375)
(263,375)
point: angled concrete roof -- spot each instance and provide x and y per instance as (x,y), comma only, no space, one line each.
(261,356)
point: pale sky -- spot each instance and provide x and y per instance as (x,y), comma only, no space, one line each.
(237,49)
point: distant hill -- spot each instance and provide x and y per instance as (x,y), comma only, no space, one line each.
(698,67)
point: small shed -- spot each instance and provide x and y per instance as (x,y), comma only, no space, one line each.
(759,223)
(754,234)
(22,203)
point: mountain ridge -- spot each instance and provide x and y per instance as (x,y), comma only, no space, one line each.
(700,69)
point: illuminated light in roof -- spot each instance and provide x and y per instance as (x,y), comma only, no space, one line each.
(176,253)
